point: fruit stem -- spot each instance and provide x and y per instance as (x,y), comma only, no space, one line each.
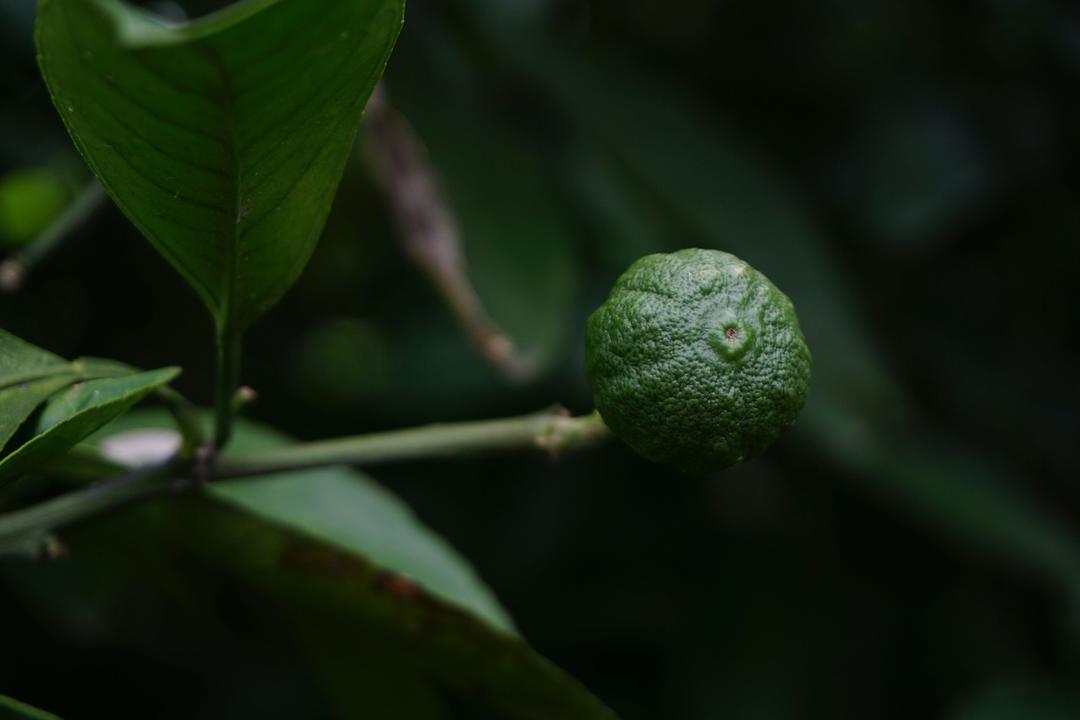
(552,431)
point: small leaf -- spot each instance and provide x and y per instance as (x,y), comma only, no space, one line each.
(96,392)
(28,376)
(12,709)
(222,139)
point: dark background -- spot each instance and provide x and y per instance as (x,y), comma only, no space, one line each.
(905,171)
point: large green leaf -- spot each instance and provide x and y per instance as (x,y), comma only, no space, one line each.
(77,398)
(363,586)
(11,709)
(222,139)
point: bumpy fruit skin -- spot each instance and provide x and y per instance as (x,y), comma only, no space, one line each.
(697,360)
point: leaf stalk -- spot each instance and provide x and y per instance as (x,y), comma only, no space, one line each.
(228,378)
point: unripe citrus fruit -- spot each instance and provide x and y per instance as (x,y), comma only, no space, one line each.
(696,359)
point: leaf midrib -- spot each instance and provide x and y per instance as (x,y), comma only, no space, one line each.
(16,379)
(227,324)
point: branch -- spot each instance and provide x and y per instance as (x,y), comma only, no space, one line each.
(429,231)
(13,270)
(26,530)
(551,431)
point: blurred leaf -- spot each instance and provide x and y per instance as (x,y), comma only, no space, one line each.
(29,201)
(222,139)
(519,238)
(11,709)
(915,173)
(30,376)
(339,363)
(1014,702)
(364,684)
(348,563)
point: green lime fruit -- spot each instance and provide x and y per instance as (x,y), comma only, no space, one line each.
(697,360)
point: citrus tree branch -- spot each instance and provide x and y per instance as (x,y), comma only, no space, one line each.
(14,269)
(429,231)
(551,431)
(24,530)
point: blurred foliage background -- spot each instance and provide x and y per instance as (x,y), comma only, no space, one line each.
(906,171)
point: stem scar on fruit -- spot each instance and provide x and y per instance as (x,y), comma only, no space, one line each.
(696,359)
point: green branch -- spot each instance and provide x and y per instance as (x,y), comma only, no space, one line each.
(13,270)
(551,431)
(25,530)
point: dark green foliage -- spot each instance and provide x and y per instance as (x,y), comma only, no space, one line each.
(11,709)
(904,171)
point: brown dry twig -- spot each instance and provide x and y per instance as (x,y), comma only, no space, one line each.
(429,231)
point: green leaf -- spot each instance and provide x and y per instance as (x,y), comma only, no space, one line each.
(222,139)
(20,361)
(74,414)
(358,579)
(28,376)
(97,391)
(11,709)
(347,510)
